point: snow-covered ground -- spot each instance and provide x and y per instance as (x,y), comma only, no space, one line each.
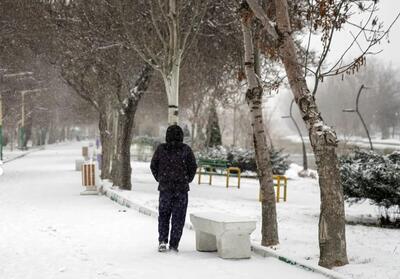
(10,155)
(373,252)
(47,230)
(359,141)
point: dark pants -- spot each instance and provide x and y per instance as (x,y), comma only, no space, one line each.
(172,204)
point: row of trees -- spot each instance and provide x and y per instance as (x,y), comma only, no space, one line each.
(113,53)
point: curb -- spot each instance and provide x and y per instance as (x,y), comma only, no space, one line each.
(116,196)
(268,252)
(23,155)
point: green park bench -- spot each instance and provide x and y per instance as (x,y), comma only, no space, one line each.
(212,167)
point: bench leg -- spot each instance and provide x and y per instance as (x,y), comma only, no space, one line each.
(284,193)
(278,190)
(285,190)
(199,181)
(234,246)
(205,242)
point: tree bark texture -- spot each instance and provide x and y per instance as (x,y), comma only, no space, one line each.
(171,83)
(332,238)
(114,144)
(106,145)
(28,131)
(254,94)
(52,133)
(121,174)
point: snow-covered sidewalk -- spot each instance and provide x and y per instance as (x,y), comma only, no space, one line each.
(47,230)
(9,155)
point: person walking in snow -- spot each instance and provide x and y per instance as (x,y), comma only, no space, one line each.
(173,166)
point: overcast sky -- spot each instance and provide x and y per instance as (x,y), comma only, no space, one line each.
(388,10)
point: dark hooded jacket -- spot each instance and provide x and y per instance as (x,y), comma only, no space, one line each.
(173,164)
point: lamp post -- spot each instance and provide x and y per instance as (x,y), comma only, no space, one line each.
(290,116)
(21,138)
(19,75)
(356,110)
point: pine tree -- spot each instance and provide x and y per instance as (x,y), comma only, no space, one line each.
(213,131)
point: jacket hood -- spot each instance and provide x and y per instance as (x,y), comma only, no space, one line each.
(174,134)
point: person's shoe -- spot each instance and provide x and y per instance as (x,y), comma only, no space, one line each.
(173,249)
(162,247)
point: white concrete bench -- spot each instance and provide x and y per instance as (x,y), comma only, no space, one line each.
(227,234)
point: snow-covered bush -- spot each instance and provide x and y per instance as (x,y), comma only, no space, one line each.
(146,140)
(368,175)
(245,159)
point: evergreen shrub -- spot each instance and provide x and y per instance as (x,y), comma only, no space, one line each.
(367,175)
(245,159)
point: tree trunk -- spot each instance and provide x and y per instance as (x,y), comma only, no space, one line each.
(254,93)
(121,172)
(12,139)
(52,133)
(28,132)
(234,126)
(192,128)
(63,134)
(122,176)
(114,140)
(106,146)
(385,131)
(332,237)
(171,83)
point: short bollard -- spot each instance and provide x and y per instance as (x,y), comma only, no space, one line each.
(85,152)
(78,164)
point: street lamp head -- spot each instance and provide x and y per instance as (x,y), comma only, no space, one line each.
(349,110)
(285,116)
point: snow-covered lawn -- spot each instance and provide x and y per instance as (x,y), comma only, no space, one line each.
(378,143)
(47,230)
(373,252)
